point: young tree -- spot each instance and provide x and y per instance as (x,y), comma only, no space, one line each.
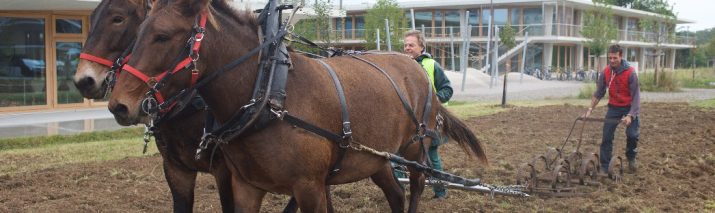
(317,27)
(710,51)
(599,29)
(662,7)
(660,29)
(375,19)
(507,36)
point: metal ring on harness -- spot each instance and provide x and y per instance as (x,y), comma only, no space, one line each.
(149,104)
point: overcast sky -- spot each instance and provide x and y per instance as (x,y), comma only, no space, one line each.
(700,11)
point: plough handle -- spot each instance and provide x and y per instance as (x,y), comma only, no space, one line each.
(604,120)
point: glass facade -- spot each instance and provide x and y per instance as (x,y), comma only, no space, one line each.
(452,20)
(474,22)
(67,54)
(359,27)
(349,27)
(535,18)
(22,62)
(438,18)
(423,19)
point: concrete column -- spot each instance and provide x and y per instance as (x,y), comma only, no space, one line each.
(548,54)
(548,20)
(624,33)
(579,56)
(625,53)
(672,59)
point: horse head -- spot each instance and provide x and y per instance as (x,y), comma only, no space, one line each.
(170,54)
(114,25)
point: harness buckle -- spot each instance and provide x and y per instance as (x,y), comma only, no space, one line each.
(151,82)
(199,35)
(279,113)
(421,130)
(347,135)
(440,121)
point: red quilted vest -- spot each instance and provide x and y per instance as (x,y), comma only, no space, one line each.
(619,93)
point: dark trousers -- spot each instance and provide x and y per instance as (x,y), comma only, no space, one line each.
(609,129)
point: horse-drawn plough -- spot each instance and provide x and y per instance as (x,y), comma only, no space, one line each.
(560,173)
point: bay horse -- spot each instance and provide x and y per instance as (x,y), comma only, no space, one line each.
(114,25)
(281,158)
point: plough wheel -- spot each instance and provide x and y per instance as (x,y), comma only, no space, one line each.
(589,168)
(574,160)
(552,154)
(615,168)
(561,176)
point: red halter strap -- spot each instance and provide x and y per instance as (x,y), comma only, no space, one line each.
(185,63)
(96,59)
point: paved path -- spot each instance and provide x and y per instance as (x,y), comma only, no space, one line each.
(530,88)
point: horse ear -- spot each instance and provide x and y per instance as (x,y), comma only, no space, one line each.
(192,7)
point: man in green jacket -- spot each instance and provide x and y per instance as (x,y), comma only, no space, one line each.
(415,47)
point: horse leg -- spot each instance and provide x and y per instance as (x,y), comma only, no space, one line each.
(390,187)
(292,207)
(181,183)
(247,198)
(311,195)
(225,192)
(417,186)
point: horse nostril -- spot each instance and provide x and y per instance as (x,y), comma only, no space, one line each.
(119,109)
(84,83)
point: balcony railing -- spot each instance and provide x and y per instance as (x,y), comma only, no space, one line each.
(651,37)
(557,29)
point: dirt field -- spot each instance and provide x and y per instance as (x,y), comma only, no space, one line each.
(676,173)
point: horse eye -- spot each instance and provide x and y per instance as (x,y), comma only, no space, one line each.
(117,19)
(161,38)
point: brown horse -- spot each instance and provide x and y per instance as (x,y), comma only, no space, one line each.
(281,158)
(114,26)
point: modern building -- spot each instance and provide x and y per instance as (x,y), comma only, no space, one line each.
(553,27)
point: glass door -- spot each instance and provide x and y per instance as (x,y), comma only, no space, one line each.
(66,59)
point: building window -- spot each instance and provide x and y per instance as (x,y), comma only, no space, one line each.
(501,17)
(474,21)
(70,26)
(452,20)
(423,20)
(437,29)
(22,62)
(359,27)
(349,27)
(534,19)
(67,54)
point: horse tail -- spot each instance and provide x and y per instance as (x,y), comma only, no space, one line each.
(458,131)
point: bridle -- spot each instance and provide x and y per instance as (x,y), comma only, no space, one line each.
(155,103)
(115,66)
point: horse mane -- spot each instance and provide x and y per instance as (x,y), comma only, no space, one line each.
(244,17)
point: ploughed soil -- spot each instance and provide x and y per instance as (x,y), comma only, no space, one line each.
(676,171)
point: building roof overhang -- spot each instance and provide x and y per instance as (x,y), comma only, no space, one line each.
(462,4)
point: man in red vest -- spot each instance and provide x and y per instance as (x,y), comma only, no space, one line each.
(621,81)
